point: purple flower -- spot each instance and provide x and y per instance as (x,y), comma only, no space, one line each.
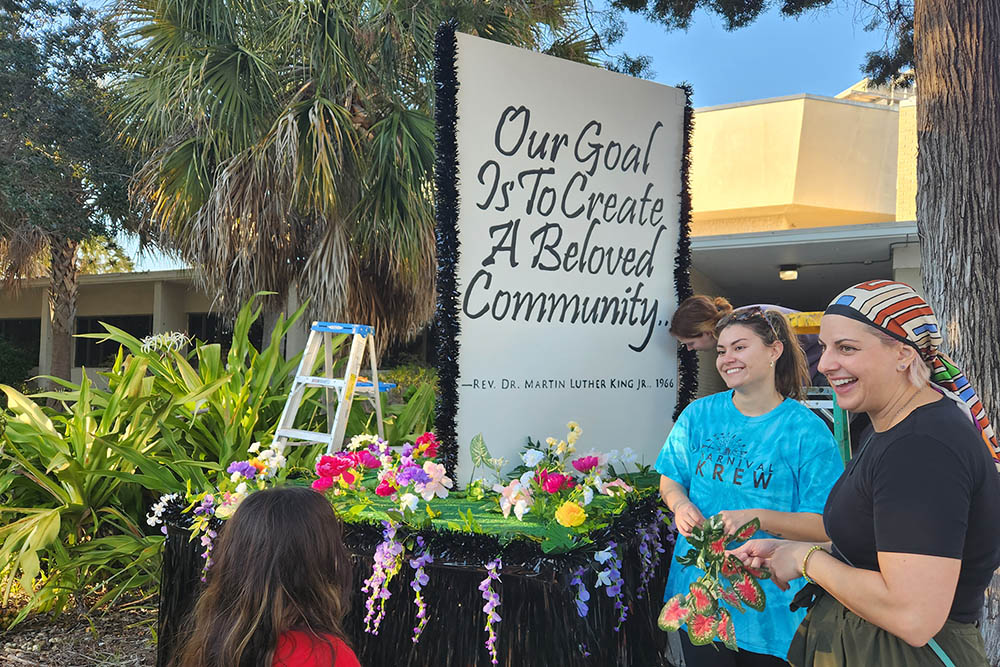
(412,473)
(492,599)
(611,579)
(407,451)
(582,594)
(244,468)
(388,559)
(420,580)
(650,546)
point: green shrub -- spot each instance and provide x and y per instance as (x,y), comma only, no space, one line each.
(15,364)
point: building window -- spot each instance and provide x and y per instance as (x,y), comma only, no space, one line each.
(212,328)
(92,353)
(23,334)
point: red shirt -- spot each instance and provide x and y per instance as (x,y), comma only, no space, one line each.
(301,649)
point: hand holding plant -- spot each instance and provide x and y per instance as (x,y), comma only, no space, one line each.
(726,579)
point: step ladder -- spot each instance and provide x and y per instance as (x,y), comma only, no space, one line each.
(823,399)
(321,335)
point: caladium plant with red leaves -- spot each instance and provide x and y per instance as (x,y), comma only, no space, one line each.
(726,579)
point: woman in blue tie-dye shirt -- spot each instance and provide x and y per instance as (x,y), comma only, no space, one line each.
(752,451)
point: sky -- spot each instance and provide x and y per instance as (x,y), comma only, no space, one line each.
(821,53)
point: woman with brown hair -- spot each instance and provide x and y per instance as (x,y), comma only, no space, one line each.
(696,318)
(278,590)
(913,520)
(753,451)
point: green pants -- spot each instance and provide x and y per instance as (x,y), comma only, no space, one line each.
(832,636)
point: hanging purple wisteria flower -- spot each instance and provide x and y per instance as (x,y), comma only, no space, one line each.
(650,546)
(492,599)
(582,594)
(388,560)
(611,579)
(419,581)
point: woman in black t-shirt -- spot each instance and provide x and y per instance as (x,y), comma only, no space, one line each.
(913,520)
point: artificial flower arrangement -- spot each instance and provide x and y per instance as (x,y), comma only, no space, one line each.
(210,508)
(726,579)
(564,495)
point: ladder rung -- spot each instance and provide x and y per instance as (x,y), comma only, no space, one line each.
(339,328)
(316,381)
(382,386)
(308,436)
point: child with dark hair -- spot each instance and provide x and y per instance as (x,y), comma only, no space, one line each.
(279,588)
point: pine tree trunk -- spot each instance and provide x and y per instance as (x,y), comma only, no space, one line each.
(958,196)
(62,304)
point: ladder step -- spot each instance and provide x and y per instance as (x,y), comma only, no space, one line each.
(316,381)
(338,328)
(363,386)
(307,436)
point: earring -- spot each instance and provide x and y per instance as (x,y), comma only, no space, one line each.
(772,364)
(902,368)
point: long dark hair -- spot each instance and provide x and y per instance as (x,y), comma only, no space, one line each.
(280,564)
(698,314)
(791,372)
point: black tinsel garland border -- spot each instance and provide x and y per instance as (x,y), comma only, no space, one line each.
(446,216)
(687,371)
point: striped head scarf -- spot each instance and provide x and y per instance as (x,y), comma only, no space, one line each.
(899,311)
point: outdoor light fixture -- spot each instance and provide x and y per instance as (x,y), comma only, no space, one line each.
(788,271)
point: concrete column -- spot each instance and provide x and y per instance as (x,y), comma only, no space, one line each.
(906,266)
(168,308)
(45,336)
(295,340)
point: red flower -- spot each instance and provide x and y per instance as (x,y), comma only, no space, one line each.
(322,484)
(553,481)
(427,445)
(585,463)
(332,466)
(385,489)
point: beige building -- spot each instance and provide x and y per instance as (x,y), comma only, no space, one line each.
(822,185)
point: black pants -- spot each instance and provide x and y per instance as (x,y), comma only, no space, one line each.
(717,655)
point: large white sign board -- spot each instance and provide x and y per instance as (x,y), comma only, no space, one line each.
(569,183)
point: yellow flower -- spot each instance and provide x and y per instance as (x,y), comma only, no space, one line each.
(572,437)
(561,448)
(550,441)
(570,514)
(572,426)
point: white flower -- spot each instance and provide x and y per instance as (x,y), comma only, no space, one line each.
(588,495)
(526,478)
(602,556)
(628,456)
(241,488)
(254,448)
(408,501)
(603,578)
(520,507)
(532,457)
(235,477)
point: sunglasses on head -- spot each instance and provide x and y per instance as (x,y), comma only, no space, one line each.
(745,315)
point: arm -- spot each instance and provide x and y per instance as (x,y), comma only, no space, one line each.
(910,595)
(686,513)
(805,526)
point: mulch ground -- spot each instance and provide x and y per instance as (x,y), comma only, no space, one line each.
(118,637)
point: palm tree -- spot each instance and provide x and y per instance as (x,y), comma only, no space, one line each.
(292,142)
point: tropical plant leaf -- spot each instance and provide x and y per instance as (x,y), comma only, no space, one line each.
(749,591)
(725,631)
(700,599)
(480,454)
(746,531)
(701,628)
(674,613)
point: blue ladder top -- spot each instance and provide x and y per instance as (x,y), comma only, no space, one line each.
(382,386)
(338,328)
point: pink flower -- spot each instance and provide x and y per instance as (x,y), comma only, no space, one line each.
(366,459)
(385,488)
(611,487)
(514,496)
(438,484)
(552,481)
(322,484)
(586,463)
(332,466)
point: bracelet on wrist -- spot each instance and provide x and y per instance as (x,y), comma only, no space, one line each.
(805,561)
